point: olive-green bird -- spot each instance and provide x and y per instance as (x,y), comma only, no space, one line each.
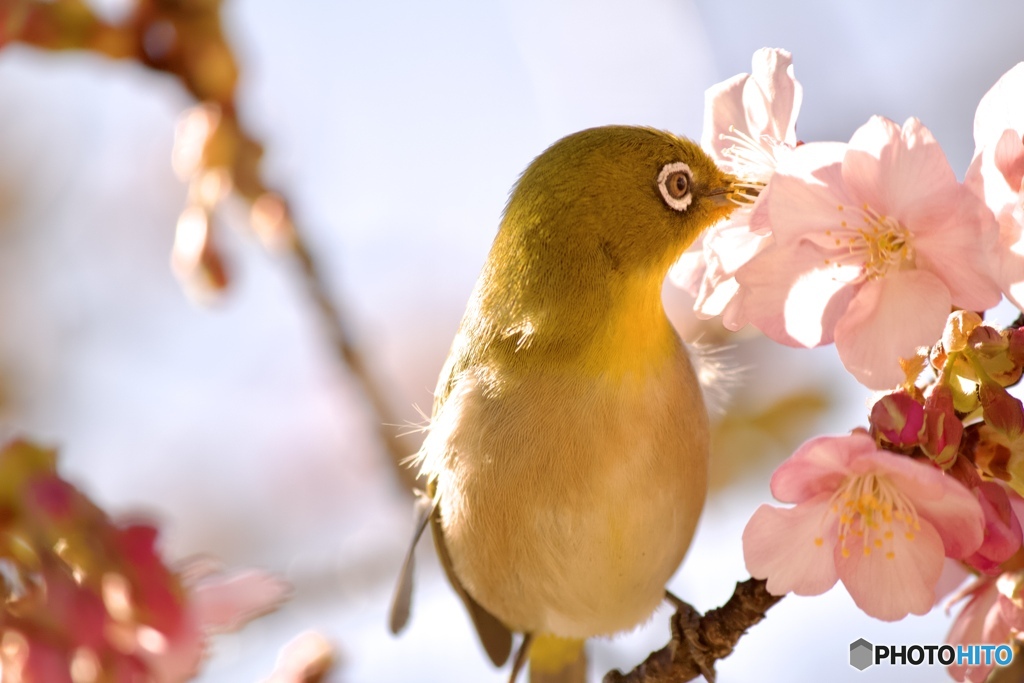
(566,456)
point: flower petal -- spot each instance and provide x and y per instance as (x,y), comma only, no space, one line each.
(723,108)
(725,251)
(772,96)
(961,253)
(819,466)
(1009,158)
(780,545)
(987,178)
(806,191)
(816,301)
(226,603)
(887,320)
(764,103)
(780,298)
(900,172)
(1001,108)
(970,626)
(889,584)
(941,500)
(1002,529)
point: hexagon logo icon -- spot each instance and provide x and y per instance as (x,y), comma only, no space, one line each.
(861,654)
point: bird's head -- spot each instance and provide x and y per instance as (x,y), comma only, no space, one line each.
(625,198)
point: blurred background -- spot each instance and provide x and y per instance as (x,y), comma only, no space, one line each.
(396,129)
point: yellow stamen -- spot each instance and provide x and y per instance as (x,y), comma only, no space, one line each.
(881,245)
(871,508)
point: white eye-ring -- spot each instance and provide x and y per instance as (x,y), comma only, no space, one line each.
(674,182)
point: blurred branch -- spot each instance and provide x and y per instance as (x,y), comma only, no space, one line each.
(214,151)
(698,642)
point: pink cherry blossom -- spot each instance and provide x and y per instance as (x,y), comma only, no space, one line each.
(89,598)
(223,602)
(997,172)
(990,617)
(750,119)
(872,243)
(749,125)
(881,523)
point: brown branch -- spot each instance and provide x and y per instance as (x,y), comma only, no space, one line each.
(698,642)
(184,38)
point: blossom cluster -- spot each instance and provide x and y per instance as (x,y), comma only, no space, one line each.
(88,599)
(875,246)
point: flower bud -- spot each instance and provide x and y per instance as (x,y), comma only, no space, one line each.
(1015,344)
(959,326)
(987,340)
(1002,529)
(943,429)
(990,349)
(1003,412)
(898,418)
(992,453)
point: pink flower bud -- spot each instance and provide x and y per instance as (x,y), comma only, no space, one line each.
(987,340)
(1015,344)
(898,418)
(1003,412)
(943,429)
(991,349)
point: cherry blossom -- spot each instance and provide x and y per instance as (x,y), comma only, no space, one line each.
(90,598)
(750,119)
(749,125)
(879,522)
(872,243)
(992,616)
(997,172)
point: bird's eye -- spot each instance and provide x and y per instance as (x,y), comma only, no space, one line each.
(674,181)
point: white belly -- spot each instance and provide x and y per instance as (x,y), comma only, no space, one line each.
(568,503)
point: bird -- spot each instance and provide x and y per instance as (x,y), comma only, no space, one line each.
(566,454)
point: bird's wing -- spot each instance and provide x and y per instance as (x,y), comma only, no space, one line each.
(400,603)
(494,635)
